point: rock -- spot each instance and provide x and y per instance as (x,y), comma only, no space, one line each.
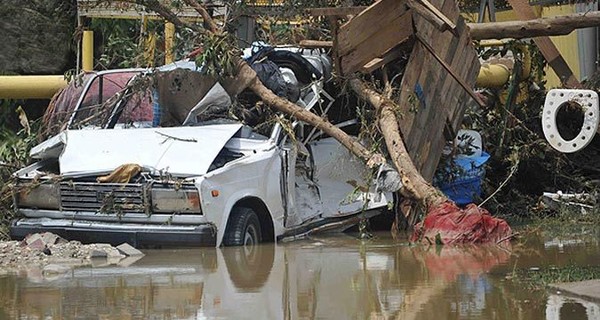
(128,250)
(51,238)
(41,241)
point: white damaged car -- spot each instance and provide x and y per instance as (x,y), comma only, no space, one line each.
(172,164)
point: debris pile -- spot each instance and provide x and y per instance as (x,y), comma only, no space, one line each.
(50,254)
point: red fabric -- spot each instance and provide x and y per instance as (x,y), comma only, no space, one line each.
(455,225)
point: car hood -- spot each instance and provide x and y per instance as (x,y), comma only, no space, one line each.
(178,151)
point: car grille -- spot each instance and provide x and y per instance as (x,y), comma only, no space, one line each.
(104,197)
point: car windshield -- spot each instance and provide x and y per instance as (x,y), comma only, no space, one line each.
(100,99)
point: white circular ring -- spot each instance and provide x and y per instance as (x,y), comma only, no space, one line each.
(555,98)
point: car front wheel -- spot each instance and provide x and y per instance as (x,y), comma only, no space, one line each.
(243,228)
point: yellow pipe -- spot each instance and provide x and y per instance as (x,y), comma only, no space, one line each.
(492,76)
(169,42)
(492,43)
(87,51)
(30,87)
(495,75)
(149,45)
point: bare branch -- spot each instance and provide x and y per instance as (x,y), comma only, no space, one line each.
(201,9)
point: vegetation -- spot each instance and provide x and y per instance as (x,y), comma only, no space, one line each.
(14,154)
(540,278)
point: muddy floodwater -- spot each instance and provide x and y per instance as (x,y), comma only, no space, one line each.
(334,277)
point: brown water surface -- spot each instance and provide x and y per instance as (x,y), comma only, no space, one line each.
(335,277)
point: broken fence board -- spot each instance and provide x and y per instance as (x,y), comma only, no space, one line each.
(390,56)
(367,23)
(372,33)
(396,32)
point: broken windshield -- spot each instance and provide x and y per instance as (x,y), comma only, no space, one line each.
(101,97)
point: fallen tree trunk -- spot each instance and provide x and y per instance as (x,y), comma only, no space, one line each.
(551,26)
(247,74)
(445,223)
(414,185)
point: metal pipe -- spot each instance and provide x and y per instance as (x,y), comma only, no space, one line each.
(169,42)
(87,54)
(492,76)
(30,87)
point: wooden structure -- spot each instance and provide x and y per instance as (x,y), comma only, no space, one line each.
(432,100)
(439,76)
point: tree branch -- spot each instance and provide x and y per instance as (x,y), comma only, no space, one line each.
(414,185)
(201,9)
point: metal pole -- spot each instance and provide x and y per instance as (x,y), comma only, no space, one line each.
(87,51)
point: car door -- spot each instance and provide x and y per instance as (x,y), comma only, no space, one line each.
(303,198)
(345,184)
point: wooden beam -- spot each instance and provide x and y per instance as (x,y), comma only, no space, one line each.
(395,33)
(372,33)
(439,14)
(392,55)
(368,23)
(315,44)
(524,12)
(427,15)
(551,26)
(336,11)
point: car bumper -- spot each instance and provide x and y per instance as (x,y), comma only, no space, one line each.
(137,235)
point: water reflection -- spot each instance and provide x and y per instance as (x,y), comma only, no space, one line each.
(330,278)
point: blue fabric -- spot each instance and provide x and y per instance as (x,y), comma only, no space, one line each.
(467,186)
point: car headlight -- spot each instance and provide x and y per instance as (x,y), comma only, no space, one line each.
(42,196)
(176,200)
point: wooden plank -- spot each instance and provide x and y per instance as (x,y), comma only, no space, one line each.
(396,32)
(451,71)
(427,15)
(457,116)
(334,23)
(315,44)
(407,87)
(368,24)
(390,56)
(336,11)
(524,12)
(460,54)
(439,14)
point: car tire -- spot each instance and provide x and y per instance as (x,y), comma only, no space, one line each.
(243,228)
